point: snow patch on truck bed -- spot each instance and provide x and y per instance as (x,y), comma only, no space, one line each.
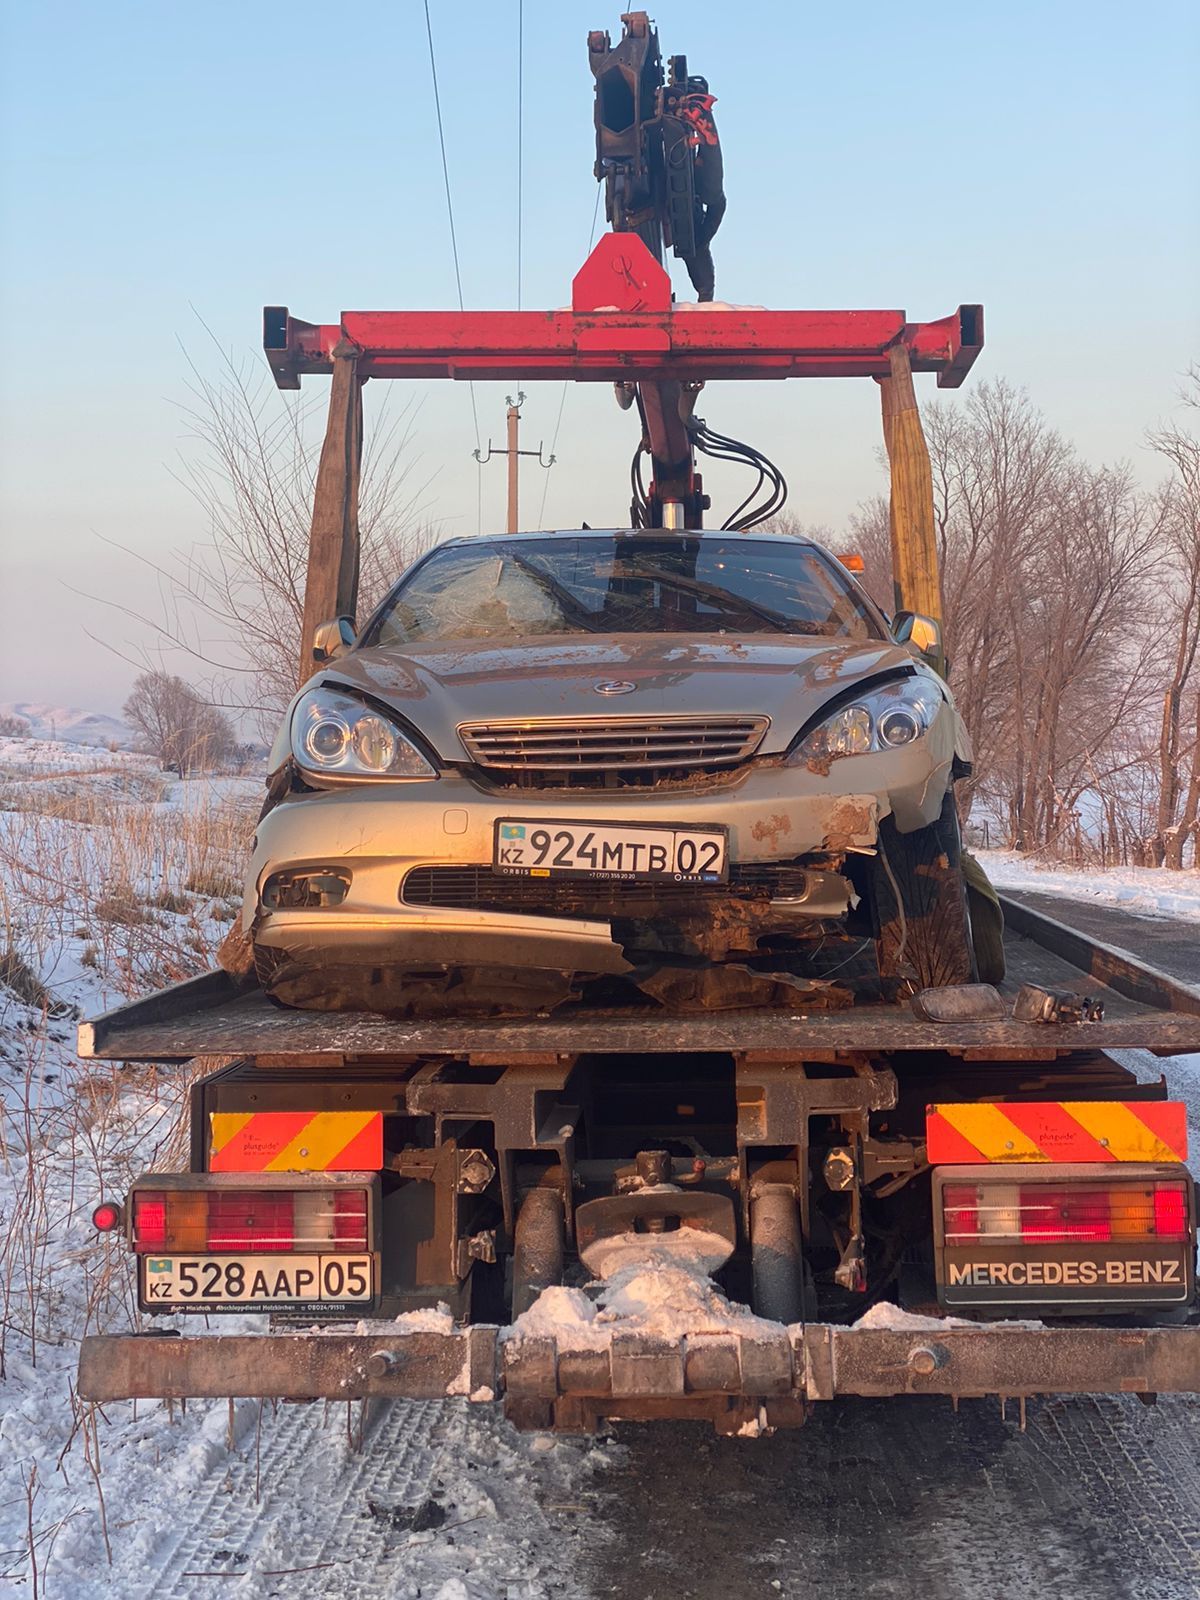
(885,1317)
(663,1290)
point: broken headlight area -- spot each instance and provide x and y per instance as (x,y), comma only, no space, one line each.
(305,889)
(888,718)
(334,735)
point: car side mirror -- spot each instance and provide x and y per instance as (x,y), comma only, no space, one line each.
(922,633)
(332,639)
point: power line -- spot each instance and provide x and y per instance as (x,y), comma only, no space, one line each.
(520,134)
(437,105)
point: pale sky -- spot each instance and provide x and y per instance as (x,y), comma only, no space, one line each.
(163,164)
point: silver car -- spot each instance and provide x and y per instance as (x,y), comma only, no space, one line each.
(699,767)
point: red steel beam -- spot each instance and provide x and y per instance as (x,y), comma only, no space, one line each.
(622,326)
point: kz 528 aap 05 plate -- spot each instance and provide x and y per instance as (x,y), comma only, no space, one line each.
(256,1282)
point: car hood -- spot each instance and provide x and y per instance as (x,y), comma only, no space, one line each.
(437,687)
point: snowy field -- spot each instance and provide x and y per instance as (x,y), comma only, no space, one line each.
(1141,889)
(115,879)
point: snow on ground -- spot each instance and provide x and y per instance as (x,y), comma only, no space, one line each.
(1143,889)
(116,878)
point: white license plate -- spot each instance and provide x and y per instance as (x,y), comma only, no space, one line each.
(201,1283)
(527,849)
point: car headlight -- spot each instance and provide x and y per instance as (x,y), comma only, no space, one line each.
(335,735)
(885,719)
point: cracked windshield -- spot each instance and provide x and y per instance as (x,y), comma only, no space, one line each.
(624,585)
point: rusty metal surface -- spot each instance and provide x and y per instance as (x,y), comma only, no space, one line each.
(1008,1360)
(250,1025)
(290,1366)
(209,1015)
(819,1361)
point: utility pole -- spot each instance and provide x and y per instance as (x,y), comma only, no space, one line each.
(513,452)
(514,433)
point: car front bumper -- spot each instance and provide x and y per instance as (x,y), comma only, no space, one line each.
(379,832)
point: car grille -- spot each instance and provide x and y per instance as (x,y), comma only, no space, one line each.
(481,889)
(602,744)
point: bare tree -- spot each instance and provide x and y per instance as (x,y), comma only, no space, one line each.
(1043,561)
(175,725)
(1178,753)
(234,602)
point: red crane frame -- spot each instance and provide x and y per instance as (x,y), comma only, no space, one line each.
(622,325)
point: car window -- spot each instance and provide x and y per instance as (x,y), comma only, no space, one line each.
(601,583)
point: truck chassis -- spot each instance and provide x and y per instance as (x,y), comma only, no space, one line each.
(827,1110)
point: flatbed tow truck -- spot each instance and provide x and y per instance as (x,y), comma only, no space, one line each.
(957,1192)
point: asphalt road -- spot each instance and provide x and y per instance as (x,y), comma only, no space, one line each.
(1099,1497)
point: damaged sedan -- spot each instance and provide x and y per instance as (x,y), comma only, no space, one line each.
(685,768)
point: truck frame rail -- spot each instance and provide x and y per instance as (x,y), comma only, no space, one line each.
(211,1015)
(728,1379)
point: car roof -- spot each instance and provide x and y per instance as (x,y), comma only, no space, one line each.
(628,533)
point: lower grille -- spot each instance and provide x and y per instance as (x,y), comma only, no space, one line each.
(480,889)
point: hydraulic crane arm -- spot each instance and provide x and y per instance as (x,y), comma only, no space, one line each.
(624,328)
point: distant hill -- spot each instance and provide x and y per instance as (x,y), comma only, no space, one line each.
(71,725)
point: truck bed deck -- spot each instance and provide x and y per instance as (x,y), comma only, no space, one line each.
(210,1015)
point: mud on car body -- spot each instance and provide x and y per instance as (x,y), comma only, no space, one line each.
(553,764)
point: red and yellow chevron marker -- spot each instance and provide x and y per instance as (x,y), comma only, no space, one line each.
(296,1141)
(1057,1130)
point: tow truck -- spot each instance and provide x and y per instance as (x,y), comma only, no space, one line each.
(960,1191)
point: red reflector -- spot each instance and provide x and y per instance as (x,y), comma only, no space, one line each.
(1170,1212)
(106,1216)
(252,1220)
(1063,1216)
(960,1208)
(149,1219)
(350,1218)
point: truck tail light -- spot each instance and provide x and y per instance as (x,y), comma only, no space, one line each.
(350,1218)
(1065,1216)
(960,1208)
(1084,1213)
(256,1221)
(1170,1212)
(149,1220)
(251,1220)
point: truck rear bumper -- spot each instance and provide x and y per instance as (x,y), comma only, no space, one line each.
(728,1378)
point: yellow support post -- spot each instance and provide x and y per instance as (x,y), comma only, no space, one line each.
(915,575)
(331,587)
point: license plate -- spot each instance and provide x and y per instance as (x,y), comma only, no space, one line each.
(527,849)
(250,1283)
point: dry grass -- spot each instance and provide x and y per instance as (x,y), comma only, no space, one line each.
(139,882)
(23,983)
(100,891)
